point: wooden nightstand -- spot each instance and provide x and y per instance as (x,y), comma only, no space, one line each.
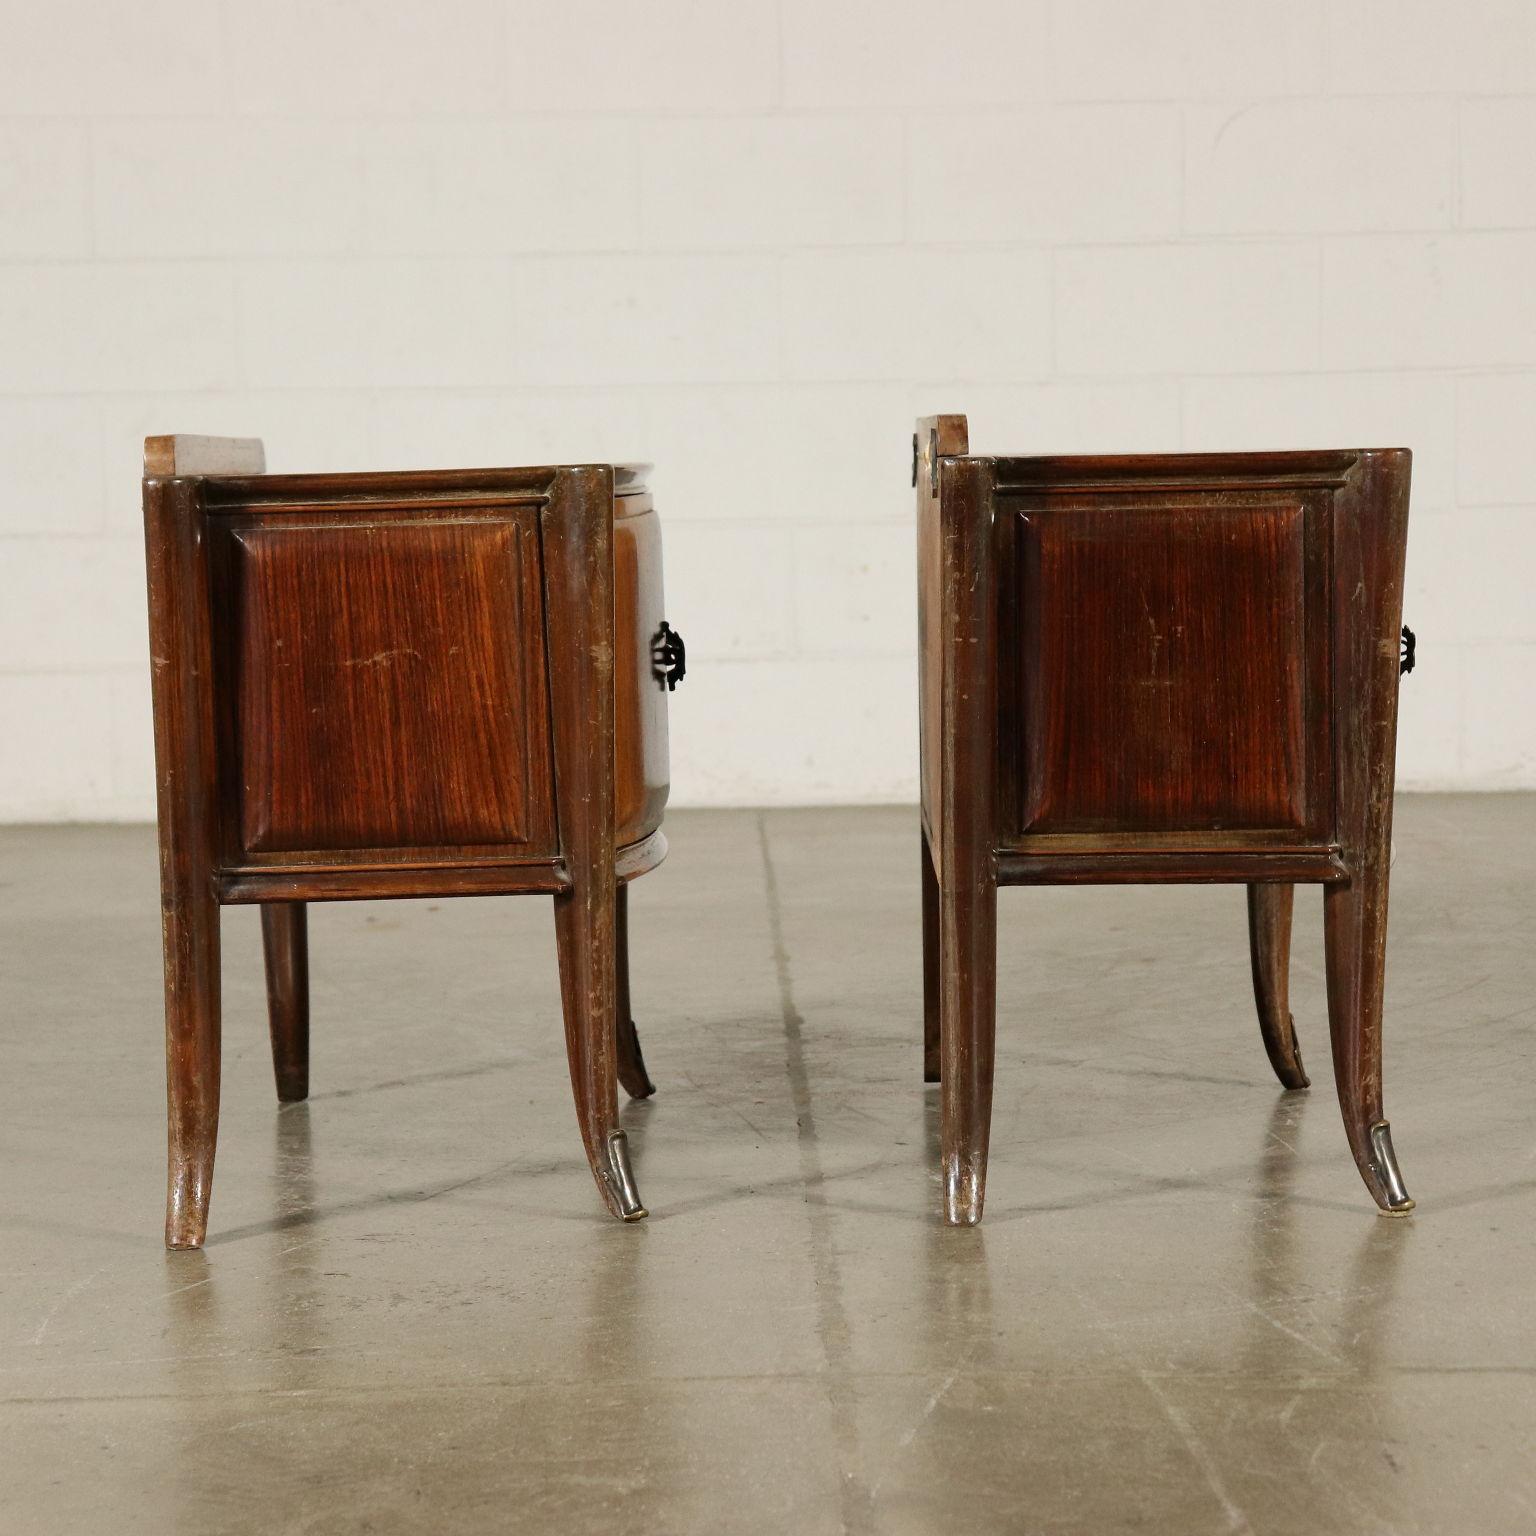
(1158,668)
(378,685)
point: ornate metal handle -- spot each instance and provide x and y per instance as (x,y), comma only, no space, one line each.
(669,657)
(1410,643)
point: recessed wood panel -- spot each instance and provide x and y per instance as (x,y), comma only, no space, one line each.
(387,687)
(1168,656)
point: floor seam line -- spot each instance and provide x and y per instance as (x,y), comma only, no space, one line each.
(832,1327)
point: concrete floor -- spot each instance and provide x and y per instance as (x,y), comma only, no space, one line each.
(1181,1315)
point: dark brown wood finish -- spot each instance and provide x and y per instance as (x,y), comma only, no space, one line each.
(1159,668)
(578,556)
(349,654)
(421,684)
(1370,546)
(285,945)
(930,881)
(181,663)
(959,630)
(1269,950)
(632,1074)
(1096,583)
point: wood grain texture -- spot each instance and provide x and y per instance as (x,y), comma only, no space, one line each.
(1157,866)
(241,887)
(385,679)
(181,664)
(1162,652)
(936,437)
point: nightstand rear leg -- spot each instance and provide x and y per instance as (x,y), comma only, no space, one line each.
(1269,949)
(632,1073)
(930,965)
(285,945)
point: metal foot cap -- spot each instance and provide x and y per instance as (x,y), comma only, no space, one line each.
(621,1179)
(1398,1201)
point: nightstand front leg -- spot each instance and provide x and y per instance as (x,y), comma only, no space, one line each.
(191,932)
(967,834)
(1355,930)
(1369,546)
(579,602)
(584,933)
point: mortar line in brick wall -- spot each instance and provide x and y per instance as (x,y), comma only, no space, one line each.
(803,382)
(851,112)
(120,669)
(840,381)
(1416,372)
(1187,240)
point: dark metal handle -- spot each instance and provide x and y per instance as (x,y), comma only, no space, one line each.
(1410,644)
(669,657)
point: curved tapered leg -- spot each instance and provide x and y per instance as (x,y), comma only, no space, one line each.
(1370,541)
(930,966)
(1269,949)
(577,527)
(584,934)
(285,944)
(191,932)
(1355,930)
(632,1073)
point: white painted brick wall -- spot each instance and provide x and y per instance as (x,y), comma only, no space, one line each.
(751,242)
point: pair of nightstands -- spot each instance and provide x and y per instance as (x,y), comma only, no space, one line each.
(455,683)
